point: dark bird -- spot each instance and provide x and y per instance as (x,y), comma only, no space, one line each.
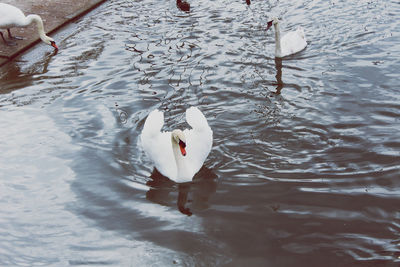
(184,6)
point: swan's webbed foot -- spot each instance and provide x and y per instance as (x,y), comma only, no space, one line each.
(8,43)
(185,211)
(13,37)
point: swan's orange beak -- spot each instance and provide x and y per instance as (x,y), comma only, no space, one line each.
(53,44)
(182,146)
(269,24)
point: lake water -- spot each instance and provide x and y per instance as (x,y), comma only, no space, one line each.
(305,164)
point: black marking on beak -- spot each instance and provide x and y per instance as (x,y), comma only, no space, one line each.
(53,44)
(182,144)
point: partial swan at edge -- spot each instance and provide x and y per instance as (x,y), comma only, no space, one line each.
(11,16)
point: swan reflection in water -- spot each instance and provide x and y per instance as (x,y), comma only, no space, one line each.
(163,190)
(278,76)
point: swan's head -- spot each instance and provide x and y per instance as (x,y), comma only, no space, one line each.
(178,137)
(274,21)
(50,41)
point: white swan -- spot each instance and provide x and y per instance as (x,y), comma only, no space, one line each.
(178,155)
(11,16)
(290,43)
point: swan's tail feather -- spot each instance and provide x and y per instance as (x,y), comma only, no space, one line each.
(301,32)
(195,118)
(154,122)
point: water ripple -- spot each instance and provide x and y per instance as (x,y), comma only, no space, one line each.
(305,155)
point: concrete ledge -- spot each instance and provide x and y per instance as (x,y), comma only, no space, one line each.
(55,14)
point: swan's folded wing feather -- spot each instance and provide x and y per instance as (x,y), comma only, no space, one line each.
(157,144)
(154,122)
(198,146)
(293,42)
(196,119)
(198,139)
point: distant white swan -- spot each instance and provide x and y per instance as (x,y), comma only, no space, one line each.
(11,16)
(290,43)
(178,155)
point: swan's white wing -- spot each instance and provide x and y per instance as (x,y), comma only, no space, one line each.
(154,123)
(11,16)
(198,139)
(157,144)
(293,42)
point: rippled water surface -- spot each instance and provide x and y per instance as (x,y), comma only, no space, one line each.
(305,164)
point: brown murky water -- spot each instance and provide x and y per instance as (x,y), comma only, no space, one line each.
(305,165)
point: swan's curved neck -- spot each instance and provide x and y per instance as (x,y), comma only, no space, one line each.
(183,171)
(278,48)
(39,23)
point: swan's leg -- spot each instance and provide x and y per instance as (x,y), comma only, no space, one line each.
(13,37)
(8,43)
